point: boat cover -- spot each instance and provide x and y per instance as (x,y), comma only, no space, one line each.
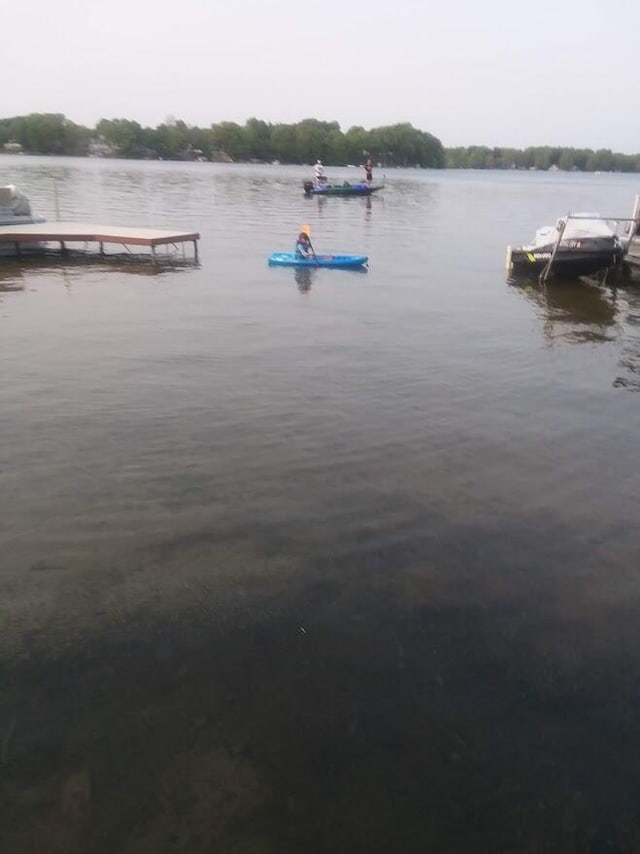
(13,202)
(579,226)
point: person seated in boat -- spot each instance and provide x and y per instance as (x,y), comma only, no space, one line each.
(303,246)
(318,171)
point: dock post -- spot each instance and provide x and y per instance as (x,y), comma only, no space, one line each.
(63,248)
(195,249)
(18,248)
(635,215)
(102,248)
(153,253)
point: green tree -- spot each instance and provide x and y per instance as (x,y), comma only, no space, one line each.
(122,134)
(357,142)
(542,158)
(258,139)
(229,137)
(283,143)
(313,140)
(172,140)
(404,145)
(566,161)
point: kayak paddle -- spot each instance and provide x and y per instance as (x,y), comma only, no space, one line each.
(307,231)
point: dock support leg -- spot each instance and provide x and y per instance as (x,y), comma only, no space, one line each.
(102,248)
(63,248)
(508,264)
(195,250)
(153,254)
(18,248)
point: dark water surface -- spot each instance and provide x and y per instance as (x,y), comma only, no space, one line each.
(330,564)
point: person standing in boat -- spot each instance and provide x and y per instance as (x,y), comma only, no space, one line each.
(319,173)
(368,170)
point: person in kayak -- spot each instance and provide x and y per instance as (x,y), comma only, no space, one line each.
(303,246)
(318,170)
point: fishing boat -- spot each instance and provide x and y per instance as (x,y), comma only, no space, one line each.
(342,262)
(579,244)
(362,188)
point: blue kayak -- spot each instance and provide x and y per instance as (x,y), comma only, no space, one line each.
(343,262)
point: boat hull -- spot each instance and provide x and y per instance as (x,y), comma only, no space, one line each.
(341,262)
(341,189)
(569,261)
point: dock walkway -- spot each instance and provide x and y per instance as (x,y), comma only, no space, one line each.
(76,232)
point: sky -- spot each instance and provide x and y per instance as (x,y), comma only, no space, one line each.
(471,73)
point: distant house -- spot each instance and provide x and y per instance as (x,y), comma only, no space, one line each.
(220,156)
(191,153)
(98,147)
(12,147)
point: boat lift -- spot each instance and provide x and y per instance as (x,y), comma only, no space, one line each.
(633,225)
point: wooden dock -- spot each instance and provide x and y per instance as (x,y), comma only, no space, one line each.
(64,233)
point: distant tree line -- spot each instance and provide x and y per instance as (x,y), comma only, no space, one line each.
(542,157)
(256,140)
(303,142)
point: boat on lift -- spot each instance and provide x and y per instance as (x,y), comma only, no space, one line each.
(579,244)
(15,209)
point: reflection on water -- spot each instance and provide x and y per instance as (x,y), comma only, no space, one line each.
(11,279)
(363,202)
(304,278)
(574,311)
(629,362)
(13,272)
(582,312)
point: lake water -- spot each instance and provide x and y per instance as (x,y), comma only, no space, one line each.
(331,563)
